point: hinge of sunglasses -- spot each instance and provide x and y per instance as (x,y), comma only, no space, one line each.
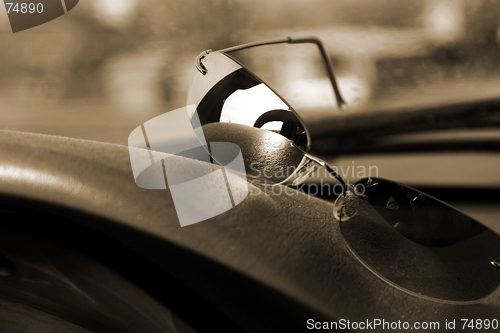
(199,65)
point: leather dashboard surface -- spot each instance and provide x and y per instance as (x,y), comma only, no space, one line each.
(271,262)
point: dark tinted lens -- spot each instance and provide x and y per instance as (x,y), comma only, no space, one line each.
(239,97)
(233,105)
(422,244)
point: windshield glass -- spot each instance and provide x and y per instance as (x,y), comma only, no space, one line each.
(100,69)
(105,67)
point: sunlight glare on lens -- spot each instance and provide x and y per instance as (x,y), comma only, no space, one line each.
(245,106)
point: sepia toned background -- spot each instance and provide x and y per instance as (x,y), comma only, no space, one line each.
(109,65)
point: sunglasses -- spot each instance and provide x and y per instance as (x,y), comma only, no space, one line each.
(409,239)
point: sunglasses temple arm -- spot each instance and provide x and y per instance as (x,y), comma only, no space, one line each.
(300,40)
(329,68)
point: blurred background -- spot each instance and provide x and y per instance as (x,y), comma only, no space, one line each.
(109,65)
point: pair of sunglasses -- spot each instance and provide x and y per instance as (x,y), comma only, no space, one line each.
(409,239)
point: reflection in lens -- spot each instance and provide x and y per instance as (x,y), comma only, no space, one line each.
(268,156)
(422,244)
(242,98)
(246,106)
(231,95)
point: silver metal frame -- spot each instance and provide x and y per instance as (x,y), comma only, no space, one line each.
(289,40)
(340,101)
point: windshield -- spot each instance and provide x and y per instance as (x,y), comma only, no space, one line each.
(106,66)
(102,68)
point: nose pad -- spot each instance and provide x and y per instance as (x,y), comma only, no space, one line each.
(345,207)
